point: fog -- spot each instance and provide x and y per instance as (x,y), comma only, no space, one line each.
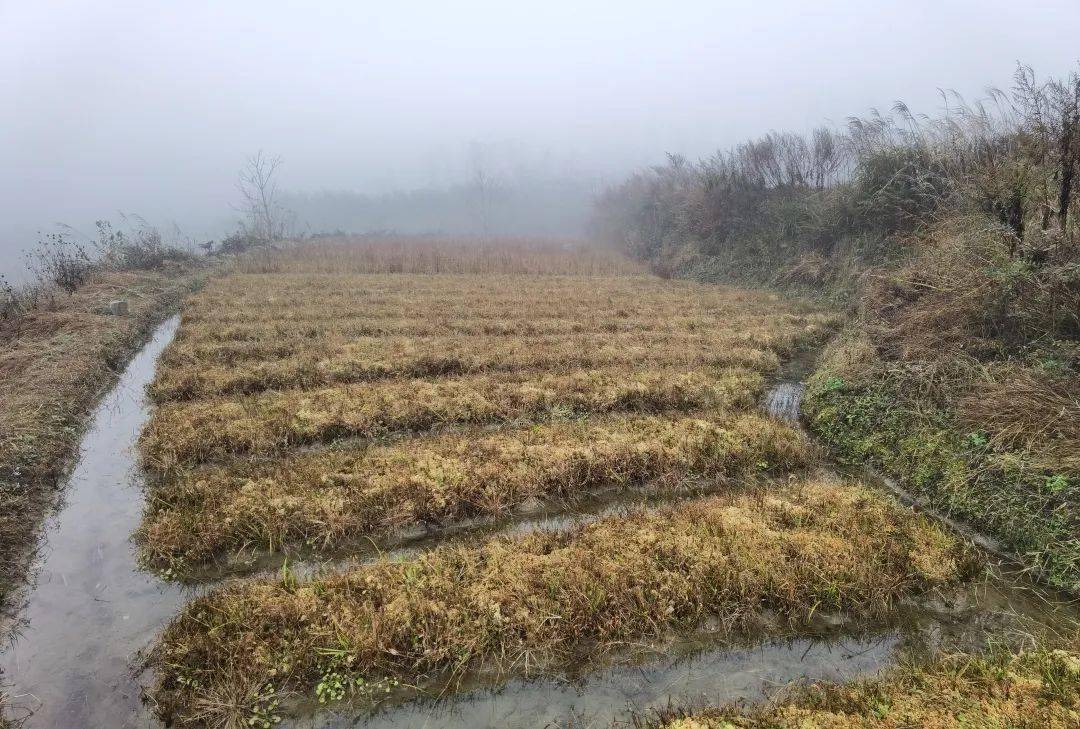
(151,108)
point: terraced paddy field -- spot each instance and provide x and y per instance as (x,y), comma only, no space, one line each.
(330,437)
(359,459)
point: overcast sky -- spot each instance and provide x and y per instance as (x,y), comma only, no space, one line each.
(150,107)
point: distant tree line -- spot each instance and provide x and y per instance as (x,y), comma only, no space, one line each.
(482,206)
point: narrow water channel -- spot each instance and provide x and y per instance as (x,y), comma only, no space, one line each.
(91,610)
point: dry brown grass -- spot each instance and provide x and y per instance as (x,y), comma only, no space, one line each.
(185,434)
(1037,690)
(331,498)
(377,358)
(325,332)
(310,409)
(532,603)
(424,254)
(321,311)
(967,292)
(299,298)
(1025,409)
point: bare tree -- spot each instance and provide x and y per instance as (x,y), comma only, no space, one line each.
(266,218)
(483,185)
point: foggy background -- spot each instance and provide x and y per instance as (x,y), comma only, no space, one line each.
(386,113)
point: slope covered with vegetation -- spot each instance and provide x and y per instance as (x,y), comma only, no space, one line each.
(954,242)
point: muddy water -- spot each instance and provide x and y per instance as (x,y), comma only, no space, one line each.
(91,610)
(783,401)
(618,693)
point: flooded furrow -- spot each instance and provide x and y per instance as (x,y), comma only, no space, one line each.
(90,609)
(615,695)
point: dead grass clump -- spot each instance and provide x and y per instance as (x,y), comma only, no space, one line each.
(1024,409)
(184,434)
(970,291)
(330,498)
(532,603)
(1036,690)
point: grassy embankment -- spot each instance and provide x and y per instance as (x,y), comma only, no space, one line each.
(352,407)
(954,243)
(980,424)
(1034,690)
(57,360)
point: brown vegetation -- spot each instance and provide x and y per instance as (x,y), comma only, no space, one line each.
(528,604)
(417,254)
(1029,410)
(321,410)
(185,434)
(378,358)
(957,239)
(331,498)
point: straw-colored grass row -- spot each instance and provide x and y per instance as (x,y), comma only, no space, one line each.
(413,254)
(535,603)
(187,433)
(525,310)
(376,358)
(333,498)
(199,340)
(300,334)
(282,293)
